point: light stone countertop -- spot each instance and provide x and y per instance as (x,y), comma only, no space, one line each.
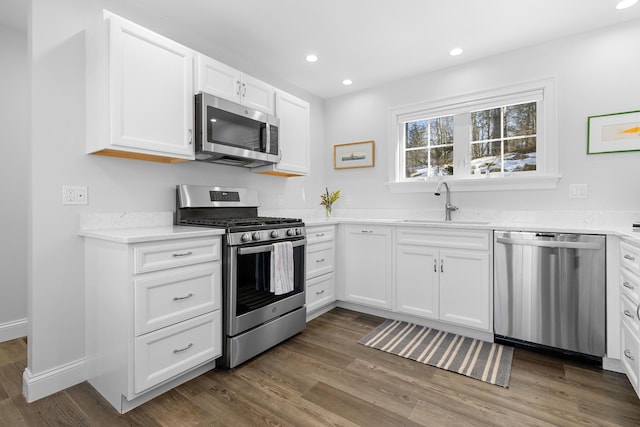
(138,227)
(620,228)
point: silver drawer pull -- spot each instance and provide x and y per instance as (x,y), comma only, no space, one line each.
(180,350)
(629,257)
(189,295)
(628,314)
(320,292)
(320,260)
(183,254)
(627,285)
(366,231)
(320,235)
(628,355)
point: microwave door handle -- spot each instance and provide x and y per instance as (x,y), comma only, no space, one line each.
(266,248)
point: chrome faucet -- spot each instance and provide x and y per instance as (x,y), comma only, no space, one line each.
(448,207)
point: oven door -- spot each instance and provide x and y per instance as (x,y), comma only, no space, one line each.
(248,301)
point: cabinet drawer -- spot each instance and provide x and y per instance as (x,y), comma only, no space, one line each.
(450,238)
(629,313)
(163,354)
(171,296)
(630,257)
(320,291)
(320,259)
(630,284)
(320,234)
(630,354)
(154,256)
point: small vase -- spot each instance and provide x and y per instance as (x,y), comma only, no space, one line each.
(328,211)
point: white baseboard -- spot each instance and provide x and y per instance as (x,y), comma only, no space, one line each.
(37,386)
(12,330)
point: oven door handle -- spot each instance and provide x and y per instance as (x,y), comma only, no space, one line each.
(267,248)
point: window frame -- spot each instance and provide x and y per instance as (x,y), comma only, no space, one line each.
(545,176)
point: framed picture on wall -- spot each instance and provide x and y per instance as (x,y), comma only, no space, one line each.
(614,133)
(354,155)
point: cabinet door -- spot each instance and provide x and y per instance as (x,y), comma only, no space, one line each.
(465,288)
(417,280)
(256,94)
(367,264)
(218,79)
(294,138)
(151,91)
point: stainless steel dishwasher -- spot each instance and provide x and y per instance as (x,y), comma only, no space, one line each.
(549,290)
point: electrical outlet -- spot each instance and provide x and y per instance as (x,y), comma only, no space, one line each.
(577,191)
(347,199)
(280,200)
(74,195)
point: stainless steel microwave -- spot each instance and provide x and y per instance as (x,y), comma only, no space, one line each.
(233,134)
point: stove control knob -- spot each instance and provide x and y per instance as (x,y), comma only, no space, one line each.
(274,234)
(291,232)
(256,235)
(298,232)
(245,237)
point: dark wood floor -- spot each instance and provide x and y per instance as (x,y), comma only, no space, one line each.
(324,377)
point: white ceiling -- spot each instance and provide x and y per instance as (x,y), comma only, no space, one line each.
(371,41)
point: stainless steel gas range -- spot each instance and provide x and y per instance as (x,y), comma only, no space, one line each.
(255,316)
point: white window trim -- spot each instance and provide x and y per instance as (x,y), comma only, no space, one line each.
(546,177)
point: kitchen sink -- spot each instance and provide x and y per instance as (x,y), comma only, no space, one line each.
(442,222)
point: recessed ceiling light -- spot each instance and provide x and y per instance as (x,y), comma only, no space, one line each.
(625,4)
(456,51)
(311,58)
(347,82)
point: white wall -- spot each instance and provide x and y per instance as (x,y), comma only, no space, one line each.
(14,176)
(56,288)
(597,73)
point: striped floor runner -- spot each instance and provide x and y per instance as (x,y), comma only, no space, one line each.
(477,359)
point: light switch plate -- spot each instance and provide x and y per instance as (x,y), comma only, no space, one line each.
(74,195)
(577,191)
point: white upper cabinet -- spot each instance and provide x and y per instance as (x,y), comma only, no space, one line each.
(139,93)
(218,79)
(294,137)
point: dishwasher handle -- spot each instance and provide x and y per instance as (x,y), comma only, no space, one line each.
(549,243)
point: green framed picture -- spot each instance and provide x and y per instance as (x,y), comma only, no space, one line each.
(614,133)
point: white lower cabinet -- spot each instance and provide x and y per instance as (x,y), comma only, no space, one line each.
(630,311)
(153,314)
(320,264)
(444,275)
(367,262)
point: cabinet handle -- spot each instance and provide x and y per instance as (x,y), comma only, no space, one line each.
(638,311)
(435,265)
(180,350)
(628,314)
(628,355)
(182,254)
(627,285)
(366,231)
(238,87)
(319,260)
(320,292)
(189,295)
(319,234)
(190,136)
(629,257)
(441,266)
(244,90)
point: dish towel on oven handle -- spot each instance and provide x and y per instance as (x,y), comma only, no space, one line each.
(282,268)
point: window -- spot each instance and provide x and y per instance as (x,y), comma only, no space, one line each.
(506,135)
(503,139)
(429,147)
